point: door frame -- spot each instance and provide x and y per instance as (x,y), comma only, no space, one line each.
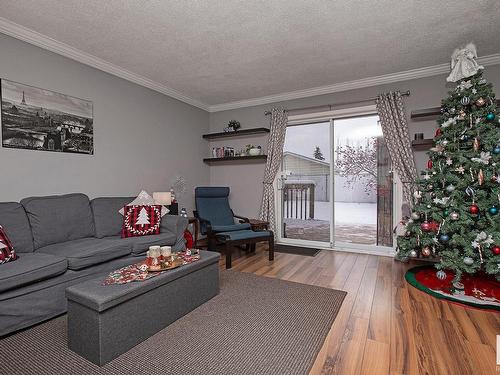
(331,116)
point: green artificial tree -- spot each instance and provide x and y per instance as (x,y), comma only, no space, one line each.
(455,219)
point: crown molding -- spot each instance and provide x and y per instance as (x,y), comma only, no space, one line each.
(350,85)
(30,36)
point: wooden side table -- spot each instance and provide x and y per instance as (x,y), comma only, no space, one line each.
(196,226)
(258,225)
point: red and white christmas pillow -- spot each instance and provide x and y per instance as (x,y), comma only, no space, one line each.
(7,252)
(141,220)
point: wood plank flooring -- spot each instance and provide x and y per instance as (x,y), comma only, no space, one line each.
(386,326)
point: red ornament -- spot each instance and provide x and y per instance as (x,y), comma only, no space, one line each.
(434,226)
(474,209)
(429,164)
(495,250)
(438,132)
(425,226)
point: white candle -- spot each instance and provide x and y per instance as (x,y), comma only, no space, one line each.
(166,251)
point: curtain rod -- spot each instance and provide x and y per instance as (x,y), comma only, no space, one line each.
(407,93)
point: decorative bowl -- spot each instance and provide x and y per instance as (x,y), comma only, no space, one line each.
(254,151)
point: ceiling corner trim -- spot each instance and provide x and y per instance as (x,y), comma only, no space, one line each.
(349,85)
(33,37)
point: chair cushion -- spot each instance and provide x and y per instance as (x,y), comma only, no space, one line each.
(212,204)
(14,220)
(29,268)
(243,235)
(107,219)
(141,244)
(86,252)
(231,228)
(59,218)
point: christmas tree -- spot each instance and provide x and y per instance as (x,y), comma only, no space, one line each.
(318,154)
(455,219)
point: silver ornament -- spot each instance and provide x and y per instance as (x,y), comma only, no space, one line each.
(441,275)
(450,188)
(452,110)
(465,100)
(413,254)
(415,215)
(454,216)
(468,261)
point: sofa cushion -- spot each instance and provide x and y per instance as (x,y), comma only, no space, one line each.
(86,252)
(29,268)
(107,219)
(59,218)
(15,222)
(141,244)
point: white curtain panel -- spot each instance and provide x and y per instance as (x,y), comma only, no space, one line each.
(275,145)
(392,116)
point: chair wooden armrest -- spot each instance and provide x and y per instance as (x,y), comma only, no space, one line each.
(243,219)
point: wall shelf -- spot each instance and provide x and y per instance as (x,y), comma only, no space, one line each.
(237,133)
(422,144)
(260,158)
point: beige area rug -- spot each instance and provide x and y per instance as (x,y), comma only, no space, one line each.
(256,325)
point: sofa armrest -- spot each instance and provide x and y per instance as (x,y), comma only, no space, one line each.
(175,224)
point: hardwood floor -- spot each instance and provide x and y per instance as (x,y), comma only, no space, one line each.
(386,326)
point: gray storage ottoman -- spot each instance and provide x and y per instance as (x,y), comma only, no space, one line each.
(106,321)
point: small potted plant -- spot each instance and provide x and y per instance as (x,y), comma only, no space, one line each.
(232,126)
(254,150)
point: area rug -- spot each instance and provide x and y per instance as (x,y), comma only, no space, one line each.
(256,325)
(308,251)
(479,291)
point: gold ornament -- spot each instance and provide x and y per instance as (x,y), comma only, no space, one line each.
(480,102)
(426,251)
(480,177)
(476,144)
(461,114)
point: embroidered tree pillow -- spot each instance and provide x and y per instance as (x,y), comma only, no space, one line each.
(141,220)
(7,252)
(144,199)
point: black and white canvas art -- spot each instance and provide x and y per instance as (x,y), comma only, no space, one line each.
(38,119)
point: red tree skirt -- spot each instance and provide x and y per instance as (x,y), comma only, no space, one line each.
(480,291)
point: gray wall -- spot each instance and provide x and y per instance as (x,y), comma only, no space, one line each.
(142,139)
(246,180)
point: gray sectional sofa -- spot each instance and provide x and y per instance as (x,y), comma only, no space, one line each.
(61,241)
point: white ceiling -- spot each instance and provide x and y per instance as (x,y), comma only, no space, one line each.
(220,51)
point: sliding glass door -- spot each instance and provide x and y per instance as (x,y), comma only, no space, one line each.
(335,188)
(305,186)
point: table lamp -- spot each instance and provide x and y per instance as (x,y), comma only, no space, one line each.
(162,197)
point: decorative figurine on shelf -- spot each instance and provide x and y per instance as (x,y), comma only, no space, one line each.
(253,150)
(183,212)
(232,126)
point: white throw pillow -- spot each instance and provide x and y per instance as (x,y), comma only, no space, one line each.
(144,199)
